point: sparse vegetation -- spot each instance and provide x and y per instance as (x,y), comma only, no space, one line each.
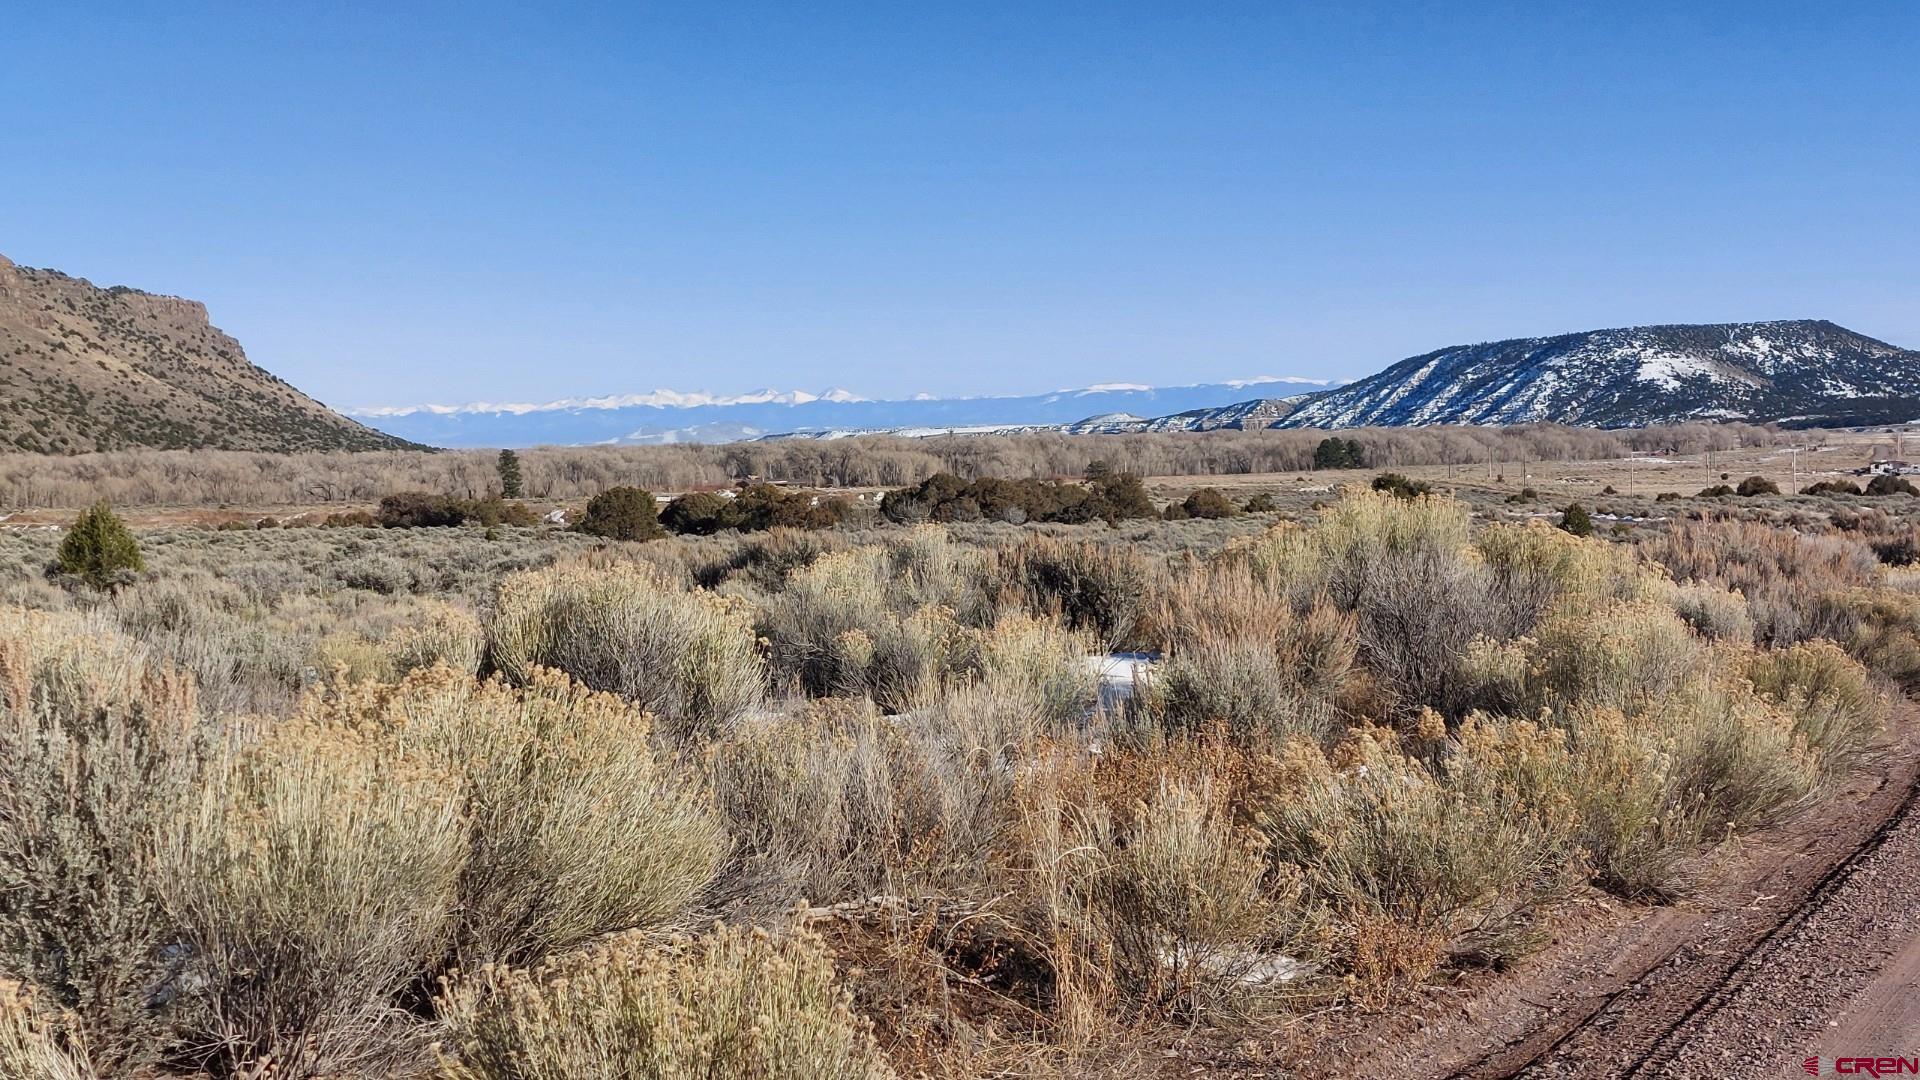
(264,799)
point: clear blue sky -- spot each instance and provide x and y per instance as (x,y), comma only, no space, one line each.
(392,203)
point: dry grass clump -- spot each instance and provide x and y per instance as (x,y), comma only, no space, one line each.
(1786,575)
(1415,863)
(98,749)
(1199,913)
(689,659)
(1240,656)
(442,634)
(1104,591)
(733,1003)
(34,1046)
(574,824)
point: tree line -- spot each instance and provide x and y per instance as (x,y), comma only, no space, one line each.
(213,477)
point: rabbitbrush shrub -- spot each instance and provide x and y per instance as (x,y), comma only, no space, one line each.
(734,1003)
(690,659)
(313,881)
(575,828)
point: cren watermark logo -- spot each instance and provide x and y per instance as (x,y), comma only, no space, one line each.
(1861,1066)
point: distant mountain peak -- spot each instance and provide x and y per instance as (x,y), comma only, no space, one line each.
(1797,370)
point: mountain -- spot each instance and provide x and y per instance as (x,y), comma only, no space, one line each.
(1240,416)
(84,368)
(669,416)
(1799,372)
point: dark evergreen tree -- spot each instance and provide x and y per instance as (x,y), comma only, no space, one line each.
(509,466)
(99,549)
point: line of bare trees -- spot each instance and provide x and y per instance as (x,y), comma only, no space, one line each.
(215,477)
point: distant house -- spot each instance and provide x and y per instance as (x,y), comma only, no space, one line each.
(1890,467)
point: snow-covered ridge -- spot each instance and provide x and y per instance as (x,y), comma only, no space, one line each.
(661,399)
(691,399)
(1635,376)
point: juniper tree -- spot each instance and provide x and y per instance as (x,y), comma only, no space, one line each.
(99,549)
(509,466)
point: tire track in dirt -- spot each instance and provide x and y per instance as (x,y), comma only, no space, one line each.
(1754,997)
(1731,982)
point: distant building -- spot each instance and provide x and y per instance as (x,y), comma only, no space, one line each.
(1890,467)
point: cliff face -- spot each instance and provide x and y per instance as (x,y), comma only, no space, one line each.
(84,368)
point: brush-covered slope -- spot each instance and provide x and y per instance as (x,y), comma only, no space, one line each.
(1798,372)
(84,368)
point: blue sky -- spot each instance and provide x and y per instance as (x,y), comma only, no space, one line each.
(392,203)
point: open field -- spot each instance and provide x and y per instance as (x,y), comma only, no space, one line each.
(332,797)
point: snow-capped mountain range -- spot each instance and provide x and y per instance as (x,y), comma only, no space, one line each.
(666,416)
(1801,371)
(1797,372)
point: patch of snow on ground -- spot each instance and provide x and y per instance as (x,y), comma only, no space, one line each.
(1119,673)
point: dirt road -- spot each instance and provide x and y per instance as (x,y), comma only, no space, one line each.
(1801,942)
(1808,946)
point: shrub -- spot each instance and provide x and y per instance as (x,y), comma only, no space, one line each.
(99,749)
(699,513)
(1575,521)
(622,513)
(419,510)
(1401,487)
(99,549)
(1195,906)
(574,828)
(1414,864)
(1239,656)
(1756,485)
(1100,590)
(869,621)
(437,633)
(1794,582)
(688,658)
(764,561)
(313,882)
(493,511)
(1833,707)
(1891,485)
(1714,612)
(33,1045)
(1832,487)
(769,506)
(1210,504)
(1534,570)
(1405,571)
(1106,495)
(733,1003)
